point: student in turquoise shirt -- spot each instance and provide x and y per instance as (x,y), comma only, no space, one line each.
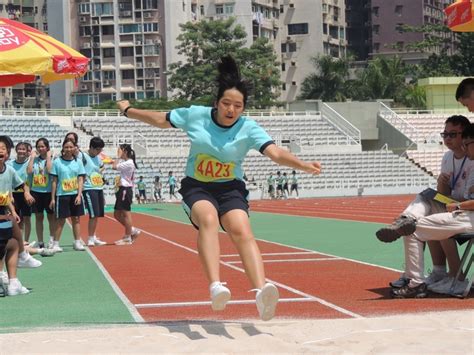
(66,192)
(213,190)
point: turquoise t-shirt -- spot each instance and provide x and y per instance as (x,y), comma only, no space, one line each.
(94,179)
(20,169)
(40,180)
(67,172)
(141,185)
(217,152)
(9,181)
(171,180)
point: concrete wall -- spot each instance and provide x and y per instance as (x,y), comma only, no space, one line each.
(396,141)
(440,92)
(363,115)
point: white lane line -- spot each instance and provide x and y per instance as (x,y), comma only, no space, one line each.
(292,246)
(286,287)
(129,305)
(208,303)
(287,260)
(270,254)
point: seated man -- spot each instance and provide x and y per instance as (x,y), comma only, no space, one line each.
(455,168)
(439,227)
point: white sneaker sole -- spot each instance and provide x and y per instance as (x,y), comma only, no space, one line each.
(220,301)
(269,296)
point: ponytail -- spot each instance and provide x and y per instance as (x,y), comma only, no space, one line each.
(130,153)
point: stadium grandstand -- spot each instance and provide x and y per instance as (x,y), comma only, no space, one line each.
(403,158)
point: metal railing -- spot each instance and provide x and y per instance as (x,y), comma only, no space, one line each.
(399,123)
(341,124)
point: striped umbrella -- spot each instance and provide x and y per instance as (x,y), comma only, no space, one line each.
(26,53)
(459,16)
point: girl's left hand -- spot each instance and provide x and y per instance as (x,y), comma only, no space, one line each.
(78,200)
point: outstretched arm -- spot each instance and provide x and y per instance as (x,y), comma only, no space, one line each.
(157,119)
(283,157)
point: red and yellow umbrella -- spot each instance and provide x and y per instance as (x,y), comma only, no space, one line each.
(459,16)
(26,53)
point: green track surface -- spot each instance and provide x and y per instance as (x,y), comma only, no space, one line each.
(70,290)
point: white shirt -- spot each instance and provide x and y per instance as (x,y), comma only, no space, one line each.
(459,175)
(127,172)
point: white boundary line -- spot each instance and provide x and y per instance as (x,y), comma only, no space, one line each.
(208,303)
(270,254)
(291,246)
(286,287)
(286,260)
(129,305)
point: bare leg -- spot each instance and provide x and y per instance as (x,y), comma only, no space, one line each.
(18,236)
(92,226)
(236,223)
(451,250)
(11,258)
(39,219)
(27,227)
(59,228)
(52,223)
(76,227)
(204,215)
(437,253)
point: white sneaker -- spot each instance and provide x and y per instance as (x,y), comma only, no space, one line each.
(4,280)
(98,242)
(46,252)
(90,242)
(444,286)
(124,241)
(56,249)
(220,295)
(15,289)
(77,246)
(50,244)
(25,260)
(135,233)
(267,299)
(434,277)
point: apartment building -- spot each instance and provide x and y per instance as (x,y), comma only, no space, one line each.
(334,28)
(374,28)
(31,95)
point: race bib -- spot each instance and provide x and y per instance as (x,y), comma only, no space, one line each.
(4,199)
(40,180)
(208,168)
(69,185)
(96,180)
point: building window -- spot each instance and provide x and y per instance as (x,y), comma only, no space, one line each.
(376,47)
(229,9)
(128,74)
(282,9)
(108,52)
(283,47)
(342,33)
(283,86)
(283,67)
(84,8)
(298,29)
(399,10)
(109,75)
(201,10)
(292,47)
(127,52)
(375,11)
(219,9)
(325,28)
(376,29)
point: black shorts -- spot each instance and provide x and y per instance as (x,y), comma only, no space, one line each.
(42,201)
(142,193)
(21,206)
(270,189)
(279,187)
(94,202)
(65,207)
(6,233)
(285,187)
(172,189)
(294,187)
(123,199)
(225,196)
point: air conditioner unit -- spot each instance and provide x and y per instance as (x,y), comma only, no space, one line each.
(126,13)
(138,42)
(83,19)
(107,83)
(139,64)
(96,44)
(84,87)
(150,65)
(150,85)
(140,87)
(147,15)
(95,22)
(86,45)
(293,83)
(148,41)
(96,66)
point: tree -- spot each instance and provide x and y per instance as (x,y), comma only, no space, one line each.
(330,81)
(462,62)
(203,43)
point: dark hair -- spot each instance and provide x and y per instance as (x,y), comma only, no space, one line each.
(44,140)
(8,143)
(96,142)
(468,131)
(68,140)
(465,88)
(74,134)
(141,177)
(229,78)
(19,144)
(458,120)
(130,152)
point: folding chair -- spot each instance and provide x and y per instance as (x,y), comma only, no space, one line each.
(465,264)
